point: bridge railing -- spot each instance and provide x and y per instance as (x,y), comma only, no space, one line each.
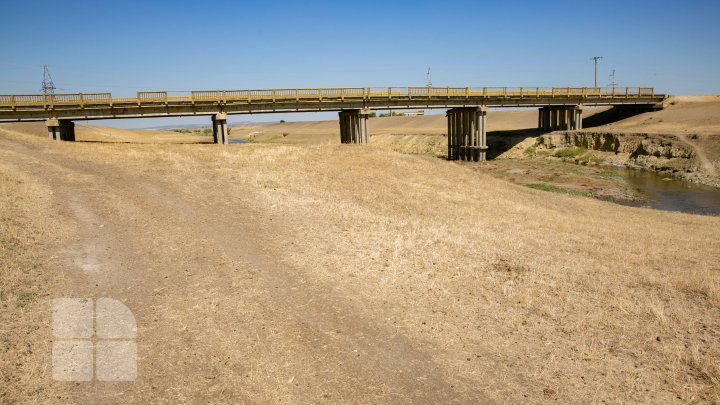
(65,99)
(99,98)
(646,91)
(53,99)
(31,99)
(277,94)
(152,96)
(370,93)
(385,92)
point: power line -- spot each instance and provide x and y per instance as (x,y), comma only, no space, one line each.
(429,77)
(596,59)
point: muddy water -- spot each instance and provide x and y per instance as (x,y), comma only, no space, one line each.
(668,194)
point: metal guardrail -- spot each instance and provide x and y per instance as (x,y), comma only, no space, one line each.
(368,93)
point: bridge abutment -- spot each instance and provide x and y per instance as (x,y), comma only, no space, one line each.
(354,127)
(467,139)
(220,128)
(61,130)
(554,118)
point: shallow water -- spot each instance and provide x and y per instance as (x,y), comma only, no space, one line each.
(669,194)
(236,141)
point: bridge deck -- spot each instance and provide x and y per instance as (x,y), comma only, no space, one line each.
(33,107)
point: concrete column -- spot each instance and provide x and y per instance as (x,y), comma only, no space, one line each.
(453,135)
(452,125)
(467,138)
(458,135)
(545,118)
(67,130)
(554,118)
(464,133)
(577,111)
(354,126)
(61,130)
(565,121)
(343,128)
(449,136)
(363,117)
(220,129)
(53,127)
(482,147)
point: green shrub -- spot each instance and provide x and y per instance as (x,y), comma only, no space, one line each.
(555,189)
(570,152)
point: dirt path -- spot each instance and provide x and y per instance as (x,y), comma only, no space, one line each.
(700,153)
(219,318)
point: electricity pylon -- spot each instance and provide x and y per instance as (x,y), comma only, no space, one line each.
(48,87)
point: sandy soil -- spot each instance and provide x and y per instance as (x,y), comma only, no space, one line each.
(338,273)
(696,114)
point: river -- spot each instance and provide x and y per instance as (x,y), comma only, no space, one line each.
(666,193)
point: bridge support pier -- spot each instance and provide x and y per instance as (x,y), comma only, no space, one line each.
(354,127)
(554,118)
(220,129)
(61,130)
(467,139)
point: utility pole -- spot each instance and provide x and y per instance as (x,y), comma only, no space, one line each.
(613,84)
(48,87)
(596,59)
(429,78)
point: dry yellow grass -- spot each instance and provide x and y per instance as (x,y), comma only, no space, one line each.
(27,238)
(336,273)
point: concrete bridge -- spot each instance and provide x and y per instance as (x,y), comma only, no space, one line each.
(559,108)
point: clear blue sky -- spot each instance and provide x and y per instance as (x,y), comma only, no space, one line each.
(125,46)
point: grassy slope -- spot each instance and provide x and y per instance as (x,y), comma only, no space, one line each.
(517,293)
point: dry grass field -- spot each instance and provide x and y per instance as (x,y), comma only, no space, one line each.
(338,273)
